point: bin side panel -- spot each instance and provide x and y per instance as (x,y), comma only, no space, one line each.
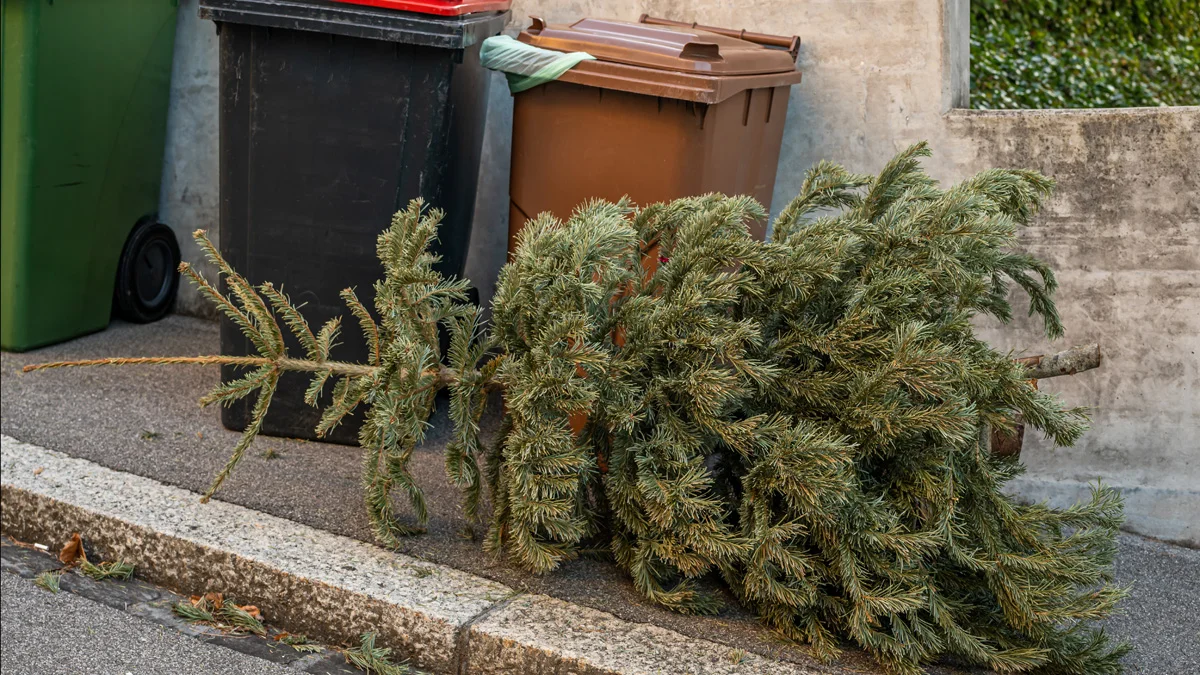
(468,114)
(101,73)
(573,142)
(133,170)
(742,142)
(234,84)
(18,48)
(323,138)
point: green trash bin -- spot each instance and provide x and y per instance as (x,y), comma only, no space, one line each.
(83,114)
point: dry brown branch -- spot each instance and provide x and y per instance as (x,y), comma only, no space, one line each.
(444,375)
(1069,362)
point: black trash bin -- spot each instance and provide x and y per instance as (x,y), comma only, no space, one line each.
(334,116)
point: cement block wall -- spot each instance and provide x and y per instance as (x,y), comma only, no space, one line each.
(1123,231)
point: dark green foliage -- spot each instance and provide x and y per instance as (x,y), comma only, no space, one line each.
(805,418)
(548,317)
(411,300)
(1084,53)
(890,505)
(398,386)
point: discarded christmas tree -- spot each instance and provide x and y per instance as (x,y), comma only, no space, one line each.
(806,418)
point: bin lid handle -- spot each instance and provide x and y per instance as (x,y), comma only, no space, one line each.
(707,51)
(790,43)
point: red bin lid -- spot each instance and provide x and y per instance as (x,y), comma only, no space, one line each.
(436,7)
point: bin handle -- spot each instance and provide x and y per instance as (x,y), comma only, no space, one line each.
(791,44)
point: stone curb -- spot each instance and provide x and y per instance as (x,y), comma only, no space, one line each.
(334,588)
(310,581)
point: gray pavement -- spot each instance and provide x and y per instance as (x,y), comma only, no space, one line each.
(145,420)
(113,626)
(45,633)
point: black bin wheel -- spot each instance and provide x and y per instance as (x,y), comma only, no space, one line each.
(148,273)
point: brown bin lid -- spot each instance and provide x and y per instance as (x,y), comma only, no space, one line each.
(673,61)
(677,48)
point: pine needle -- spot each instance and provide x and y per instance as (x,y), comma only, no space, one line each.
(374,660)
(107,570)
(48,581)
(300,643)
(239,619)
(194,613)
(266,391)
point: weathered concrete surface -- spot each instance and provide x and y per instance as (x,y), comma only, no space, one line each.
(138,603)
(313,582)
(539,635)
(1147,509)
(190,189)
(1123,233)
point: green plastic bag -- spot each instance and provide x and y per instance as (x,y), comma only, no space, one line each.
(527,66)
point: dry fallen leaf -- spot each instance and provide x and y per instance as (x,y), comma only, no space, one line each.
(215,599)
(251,610)
(73,552)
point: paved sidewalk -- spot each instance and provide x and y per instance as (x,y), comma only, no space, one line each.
(145,421)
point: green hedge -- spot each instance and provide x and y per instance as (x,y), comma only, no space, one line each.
(1084,53)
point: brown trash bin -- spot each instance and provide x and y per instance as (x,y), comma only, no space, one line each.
(667,110)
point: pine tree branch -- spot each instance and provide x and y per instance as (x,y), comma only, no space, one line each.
(443,375)
(225,305)
(153,360)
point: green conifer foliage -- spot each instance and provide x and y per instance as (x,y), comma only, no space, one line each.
(805,418)
(808,417)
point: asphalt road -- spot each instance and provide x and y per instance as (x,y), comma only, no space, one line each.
(145,420)
(44,633)
(127,626)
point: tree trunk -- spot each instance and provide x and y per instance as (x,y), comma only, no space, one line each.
(1040,367)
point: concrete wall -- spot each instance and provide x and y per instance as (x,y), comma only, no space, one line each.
(189,200)
(1123,231)
(1123,234)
